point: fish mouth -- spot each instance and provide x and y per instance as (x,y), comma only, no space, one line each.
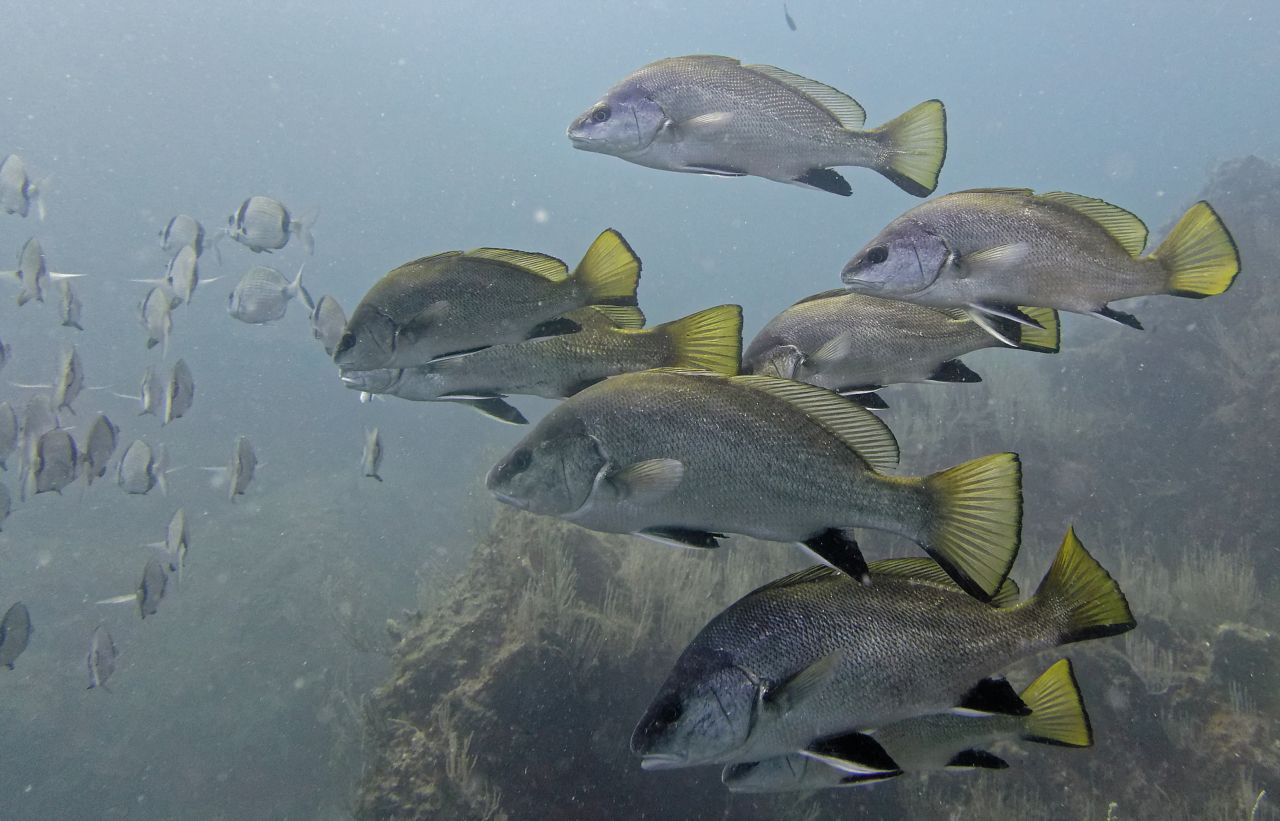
(514,501)
(661,761)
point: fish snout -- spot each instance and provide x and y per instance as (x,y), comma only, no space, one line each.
(661,761)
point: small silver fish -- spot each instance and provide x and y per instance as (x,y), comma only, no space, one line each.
(99,445)
(180,392)
(32,272)
(70,381)
(57,461)
(156,315)
(327,323)
(786,13)
(38,418)
(263,294)
(141,468)
(177,542)
(5,350)
(243,464)
(182,230)
(6,504)
(15,634)
(102,657)
(264,224)
(8,433)
(17,190)
(371,459)
(152,587)
(183,273)
(69,306)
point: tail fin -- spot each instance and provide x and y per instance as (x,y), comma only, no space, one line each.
(1199,254)
(975,521)
(1083,596)
(1045,339)
(709,340)
(296,290)
(609,272)
(301,228)
(1057,709)
(917,146)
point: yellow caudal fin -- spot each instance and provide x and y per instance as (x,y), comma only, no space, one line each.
(917,146)
(1057,709)
(1199,254)
(1045,339)
(1081,596)
(609,272)
(709,340)
(975,521)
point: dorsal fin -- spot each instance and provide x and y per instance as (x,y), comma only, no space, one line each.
(540,264)
(858,428)
(809,574)
(997,190)
(927,570)
(1124,228)
(847,111)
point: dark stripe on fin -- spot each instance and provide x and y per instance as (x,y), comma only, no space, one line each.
(824,179)
(953,370)
(994,696)
(684,536)
(978,758)
(1119,316)
(857,749)
(716,170)
(838,549)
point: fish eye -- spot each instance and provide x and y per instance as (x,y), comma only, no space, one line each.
(670,713)
(520,460)
(601,114)
(877,255)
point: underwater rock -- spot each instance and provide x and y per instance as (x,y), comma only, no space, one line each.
(1248,658)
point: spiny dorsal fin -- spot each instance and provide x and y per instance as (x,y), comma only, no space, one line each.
(926,570)
(540,264)
(1124,228)
(861,430)
(844,108)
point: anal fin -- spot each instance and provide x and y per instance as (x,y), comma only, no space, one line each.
(977,758)
(840,550)
(855,753)
(554,327)
(953,370)
(824,179)
(682,537)
(1128,320)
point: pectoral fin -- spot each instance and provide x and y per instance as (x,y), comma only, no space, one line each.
(682,537)
(706,125)
(495,408)
(835,349)
(715,170)
(647,482)
(996,259)
(800,686)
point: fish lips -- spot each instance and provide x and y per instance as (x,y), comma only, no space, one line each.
(663,761)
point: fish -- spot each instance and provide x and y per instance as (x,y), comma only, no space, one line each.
(941,741)
(15,633)
(686,457)
(150,590)
(243,464)
(56,463)
(102,657)
(141,468)
(17,190)
(707,114)
(263,295)
(8,433)
(853,343)
(182,231)
(182,275)
(180,392)
(69,306)
(988,250)
(558,366)
(462,301)
(371,458)
(100,444)
(812,661)
(38,418)
(327,323)
(70,381)
(177,542)
(32,272)
(6,504)
(5,351)
(786,13)
(264,224)
(156,315)
(150,393)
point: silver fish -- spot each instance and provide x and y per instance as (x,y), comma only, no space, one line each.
(100,444)
(5,351)
(181,231)
(6,504)
(17,190)
(786,13)
(264,224)
(141,468)
(180,392)
(102,657)
(687,457)
(263,294)
(713,115)
(152,588)
(371,458)
(15,633)
(988,250)
(243,464)
(69,306)
(939,741)
(70,380)
(811,661)
(156,315)
(327,323)
(177,542)
(38,418)
(32,272)
(183,273)
(56,463)
(8,433)
(151,392)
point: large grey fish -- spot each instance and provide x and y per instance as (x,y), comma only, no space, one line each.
(180,231)
(8,433)
(6,504)
(142,468)
(17,190)
(991,249)
(69,307)
(328,320)
(707,114)
(371,458)
(806,662)
(102,657)
(56,463)
(939,741)
(264,224)
(686,457)
(243,464)
(177,543)
(15,633)
(70,380)
(562,365)
(156,315)
(855,343)
(458,301)
(99,444)
(263,294)
(179,393)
